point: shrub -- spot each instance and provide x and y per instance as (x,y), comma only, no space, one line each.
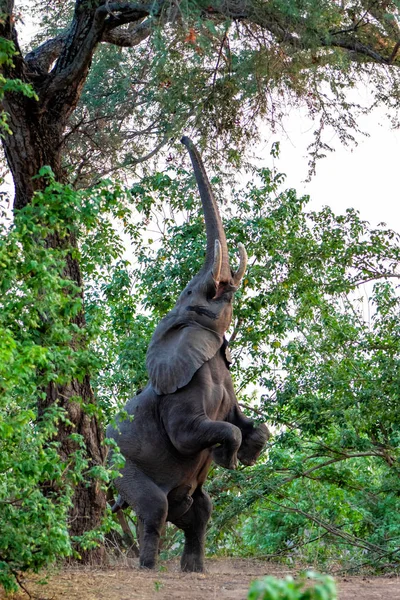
(270,588)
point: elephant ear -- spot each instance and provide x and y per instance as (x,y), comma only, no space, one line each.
(176,352)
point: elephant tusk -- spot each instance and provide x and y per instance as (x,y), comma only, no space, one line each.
(242,264)
(216,270)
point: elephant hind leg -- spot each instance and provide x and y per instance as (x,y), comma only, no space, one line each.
(194,525)
(151,506)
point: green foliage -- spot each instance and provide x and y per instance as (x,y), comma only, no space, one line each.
(202,71)
(41,344)
(36,305)
(270,588)
(7,51)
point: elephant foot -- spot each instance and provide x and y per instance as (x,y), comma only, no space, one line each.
(223,459)
(147,564)
(192,564)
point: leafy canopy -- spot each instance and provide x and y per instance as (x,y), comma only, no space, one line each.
(216,70)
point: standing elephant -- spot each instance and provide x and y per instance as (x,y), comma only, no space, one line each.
(188,414)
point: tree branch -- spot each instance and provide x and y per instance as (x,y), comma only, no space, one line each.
(85,33)
(356,47)
(130,37)
(7,26)
(394,52)
(308,472)
(41,59)
(291,33)
(120,14)
(332,529)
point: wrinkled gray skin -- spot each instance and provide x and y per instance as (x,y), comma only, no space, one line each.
(188,414)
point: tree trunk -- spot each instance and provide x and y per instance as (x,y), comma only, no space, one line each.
(37,141)
(57,72)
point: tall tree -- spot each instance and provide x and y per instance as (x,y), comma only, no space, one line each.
(214,66)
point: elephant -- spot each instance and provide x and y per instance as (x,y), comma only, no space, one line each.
(188,415)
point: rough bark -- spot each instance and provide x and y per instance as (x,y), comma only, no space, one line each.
(36,141)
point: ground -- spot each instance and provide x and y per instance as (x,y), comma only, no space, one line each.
(225,579)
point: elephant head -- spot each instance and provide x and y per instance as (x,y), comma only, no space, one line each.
(193,331)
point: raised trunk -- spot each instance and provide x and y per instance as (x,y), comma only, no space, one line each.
(36,141)
(214,227)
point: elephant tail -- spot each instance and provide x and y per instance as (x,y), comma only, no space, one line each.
(118,505)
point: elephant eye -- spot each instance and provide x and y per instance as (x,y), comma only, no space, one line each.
(189,292)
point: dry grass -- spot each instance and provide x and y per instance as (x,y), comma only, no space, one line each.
(226,579)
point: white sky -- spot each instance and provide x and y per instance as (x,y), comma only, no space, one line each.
(365,177)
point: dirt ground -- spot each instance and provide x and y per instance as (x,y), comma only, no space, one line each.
(225,579)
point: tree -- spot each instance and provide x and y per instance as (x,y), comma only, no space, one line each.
(228,54)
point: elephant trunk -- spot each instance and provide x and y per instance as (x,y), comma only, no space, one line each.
(214,228)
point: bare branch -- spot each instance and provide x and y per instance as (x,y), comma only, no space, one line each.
(140,159)
(394,53)
(235,331)
(292,33)
(254,410)
(106,172)
(357,48)
(332,529)
(387,20)
(85,33)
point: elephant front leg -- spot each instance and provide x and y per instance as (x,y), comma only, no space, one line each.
(194,525)
(151,506)
(222,437)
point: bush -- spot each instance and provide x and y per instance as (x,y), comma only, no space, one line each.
(270,588)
